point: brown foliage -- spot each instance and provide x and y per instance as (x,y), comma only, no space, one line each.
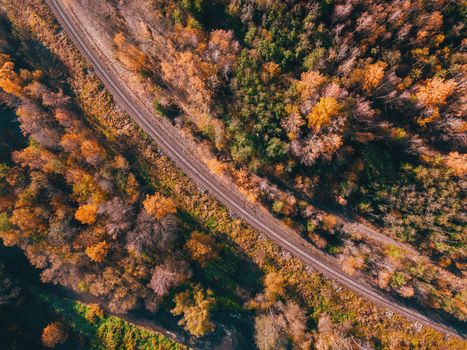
(458,163)
(68,120)
(120,162)
(189,74)
(269,334)
(94,313)
(70,142)
(28,219)
(168,275)
(432,95)
(38,124)
(222,49)
(132,57)
(292,124)
(296,318)
(202,247)
(92,152)
(10,82)
(369,76)
(329,222)
(216,166)
(38,159)
(309,85)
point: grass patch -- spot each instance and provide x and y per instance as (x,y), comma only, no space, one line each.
(105,331)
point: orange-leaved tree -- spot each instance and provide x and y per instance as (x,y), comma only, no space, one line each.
(86,214)
(159,206)
(98,252)
(53,334)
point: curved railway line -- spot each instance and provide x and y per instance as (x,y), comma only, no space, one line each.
(171,142)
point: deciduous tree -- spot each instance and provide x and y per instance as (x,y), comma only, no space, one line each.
(435,92)
(202,247)
(369,76)
(86,214)
(323,112)
(159,206)
(54,334)
(195,305)
(92,152)
(268,334)
(10,82)
(98,252)
(168,275)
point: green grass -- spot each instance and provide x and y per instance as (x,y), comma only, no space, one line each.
(107,332)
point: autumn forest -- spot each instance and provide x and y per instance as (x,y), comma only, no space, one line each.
(342,122)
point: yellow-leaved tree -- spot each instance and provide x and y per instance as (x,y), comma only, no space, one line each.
(323,112)
(274,285)
(12,82)
(195,306)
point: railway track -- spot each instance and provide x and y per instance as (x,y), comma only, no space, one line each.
(171,142)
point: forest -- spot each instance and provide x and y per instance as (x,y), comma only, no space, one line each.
(317,110)
(354,106)
(321,112)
